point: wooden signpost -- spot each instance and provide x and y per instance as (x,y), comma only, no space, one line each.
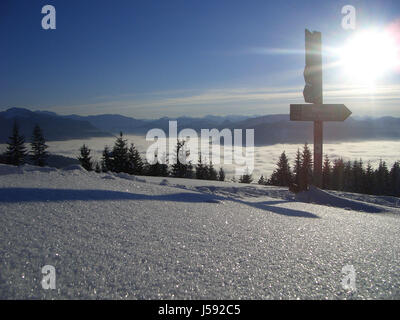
(316,111)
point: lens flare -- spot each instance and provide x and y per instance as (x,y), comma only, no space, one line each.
(370,55)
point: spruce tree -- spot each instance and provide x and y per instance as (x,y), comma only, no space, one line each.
(85,159)
(326,173)
(358,176)
(347,176)
(120,157)
(246,177)
(212,173)
(164,169)
(297,169)
(337,174)
(221,174)
(369,180)
(159,168)
(282,176)
(189,171)
(106,160)
(180,167)
(135,162)
(16,150)
(97,168)
(306,168)
(39,154)
(201,169)
(394,178)
(382,179)
(153,169)
(261,180)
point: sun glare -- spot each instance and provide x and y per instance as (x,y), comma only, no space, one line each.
(369,55)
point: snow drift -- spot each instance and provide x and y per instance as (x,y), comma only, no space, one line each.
(318,196)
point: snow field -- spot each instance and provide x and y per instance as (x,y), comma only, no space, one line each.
(124,237)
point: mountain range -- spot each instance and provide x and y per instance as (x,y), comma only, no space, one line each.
(55,127)
(269,129)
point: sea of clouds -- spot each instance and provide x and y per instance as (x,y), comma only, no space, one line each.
(265,157)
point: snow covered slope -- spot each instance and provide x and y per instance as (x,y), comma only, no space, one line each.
(119,236)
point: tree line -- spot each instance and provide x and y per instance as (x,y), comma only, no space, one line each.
(17,153)
(124,157)
(337,174)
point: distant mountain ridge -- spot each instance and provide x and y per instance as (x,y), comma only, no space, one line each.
(269,129)
(286,131)
(115,123)
(55,127)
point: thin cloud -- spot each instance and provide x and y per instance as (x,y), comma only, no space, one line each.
(273,51)
(227,96)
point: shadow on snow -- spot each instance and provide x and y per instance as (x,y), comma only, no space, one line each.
(15,195)
(18,195)
(269,206)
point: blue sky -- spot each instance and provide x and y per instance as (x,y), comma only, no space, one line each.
(149,59)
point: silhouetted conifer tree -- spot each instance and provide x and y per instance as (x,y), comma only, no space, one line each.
(306,168)
(182,168)
(394,176)
(369,179)
(382,179)
(282,176)
(85,159)
(106,160)
(159,167)
(135,162)
(347,174)
(297,169)
(262,180)
(97,168)
(16,150)
(246,177)
(120,156)
(39,154)
(357,176)
(337,174)
(221,174)
(326,173)
(201,169)
(212,173)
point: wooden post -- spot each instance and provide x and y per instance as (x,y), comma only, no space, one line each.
(318,137)
(318,125)
(313,93)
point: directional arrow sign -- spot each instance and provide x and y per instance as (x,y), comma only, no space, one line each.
(319,112)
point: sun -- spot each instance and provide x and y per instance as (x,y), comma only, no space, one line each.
(369,55)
